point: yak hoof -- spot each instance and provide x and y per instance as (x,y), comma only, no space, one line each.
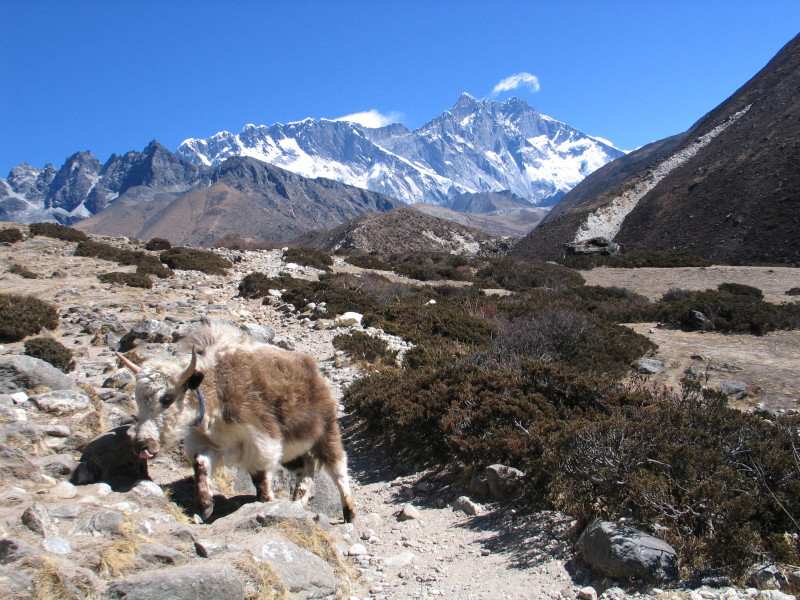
(349,514)
(206,511)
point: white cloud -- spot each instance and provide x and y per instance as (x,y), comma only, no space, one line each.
(372,118)
(515,81)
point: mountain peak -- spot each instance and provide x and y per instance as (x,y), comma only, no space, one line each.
(466,100)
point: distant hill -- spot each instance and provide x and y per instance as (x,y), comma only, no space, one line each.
(405,230)
(727,189)
(243,198)
(515,224)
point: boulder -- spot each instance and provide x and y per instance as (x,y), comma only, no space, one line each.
(324,495)
(15,583)
(300,570)
(62,402)
(149,330)
(348,319)
(259,333)
(649,366)
(21,373)
(625,553)
(503,482)
(179,583)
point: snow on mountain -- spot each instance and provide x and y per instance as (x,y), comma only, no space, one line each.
(476,146)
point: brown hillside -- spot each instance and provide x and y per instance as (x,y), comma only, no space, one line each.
(736,198)
(405,230)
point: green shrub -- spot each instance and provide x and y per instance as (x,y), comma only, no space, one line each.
(257,285)
(726,312)
(520,275)
(51,351)
(157,244)
(418,272)
(368,261)
(194,259)
(137,280)
(362,346)
(57,231)
(10,235)
(739,289)
(309,257)
(150,265)
(22,271)
(21,316)
(419,322)
(795,291)
(635,260)
(103,251)
(720,484)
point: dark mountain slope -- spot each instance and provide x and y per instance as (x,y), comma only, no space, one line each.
(728,190)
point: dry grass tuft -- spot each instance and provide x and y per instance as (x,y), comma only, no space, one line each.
(268,584)
(121,554)
(173,509)
(225,479)
(314,538)
(50,584)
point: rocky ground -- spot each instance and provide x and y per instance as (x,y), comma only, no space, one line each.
(92,540)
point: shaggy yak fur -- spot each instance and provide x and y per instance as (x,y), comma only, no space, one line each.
(263,406)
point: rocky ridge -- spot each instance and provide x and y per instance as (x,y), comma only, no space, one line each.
(417,537)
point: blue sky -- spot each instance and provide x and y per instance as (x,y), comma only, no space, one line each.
(109,76)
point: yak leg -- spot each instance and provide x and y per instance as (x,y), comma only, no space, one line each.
(202,484)
(338,472)
(263,482)
(305,479)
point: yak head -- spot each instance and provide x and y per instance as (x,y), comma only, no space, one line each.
(163,403)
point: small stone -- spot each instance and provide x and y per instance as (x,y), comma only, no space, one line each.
(587,593)
(19,397)
(207,548)
(649,366)
(357,550)
(464,504)
(60,431)
(148,488)
(485,552)
(348,319)
(408,512)
(57,545)
(37,519)
(400,560)
(64,491)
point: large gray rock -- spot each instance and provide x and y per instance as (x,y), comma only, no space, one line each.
(99,523)
(324,493)
(150,330)
(15,583)
(503,482)
(299,569)
(625,553)
(180,583)
(649,366)
(21,373)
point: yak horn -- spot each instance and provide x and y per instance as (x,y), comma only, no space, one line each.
(133,367)
(184,377)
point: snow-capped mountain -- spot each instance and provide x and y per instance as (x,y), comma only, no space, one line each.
(476,146)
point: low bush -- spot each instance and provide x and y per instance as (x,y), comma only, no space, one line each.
(432,266)
(364,347)
(795,291)
(22,271)
(146,264)
(52,351)
(237,243)
(739,289)
(368,261)
(574,339)
(21,316)
(103,251)
(195,259)
(520,275)
(635,260)
(10,235)
(721,485)
(137,280)
(150,265)
(308,257)
(157,244)
(418,322)
(727,312)
(57,231)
